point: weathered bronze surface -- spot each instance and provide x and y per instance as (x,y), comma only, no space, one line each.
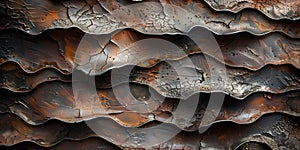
(275,9)
(85,144)
(274,130)
(237,82)
(55,100)
(15,79)
(57,48)
(32,57)
(114,74)
(208,75)
(102,17)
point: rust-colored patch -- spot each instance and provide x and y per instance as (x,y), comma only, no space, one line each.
(70,50)
(49,18)
(130,118)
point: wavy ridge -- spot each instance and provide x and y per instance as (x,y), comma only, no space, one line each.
(87,18)
(256,69)
(58,103)
(237,49)
(200,76)
(273,9)
(233,57)
(272,124)
(13,78)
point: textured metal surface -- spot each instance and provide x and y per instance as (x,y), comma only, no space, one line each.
(65,67)
(238,82)
(13,78)
(254,146)
(275,130)
(55,101)
(56,49)
(275,9)
(86,144)
(237,52)
(36,16)
(34,53)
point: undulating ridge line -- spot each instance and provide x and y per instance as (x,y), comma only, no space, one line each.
(57,49)
(204,74)
(276,128)
(103,17)
(288,9)
(107,74)
(58,103)
(198,77)
(13,77)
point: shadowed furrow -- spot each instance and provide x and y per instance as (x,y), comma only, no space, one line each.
(199,73)
(271,130)
(57,48)
(55,100)
(13,78)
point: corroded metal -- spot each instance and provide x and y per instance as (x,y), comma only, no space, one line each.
(253,146)
(104,17)
(257,67)
(254,52)
(13,78)
(277,131)
(34,53)
(55,101)
(238,52)
(56,49)
(85,144)
(237,82)
(275,9)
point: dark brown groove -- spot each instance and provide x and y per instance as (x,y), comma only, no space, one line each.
(271,130)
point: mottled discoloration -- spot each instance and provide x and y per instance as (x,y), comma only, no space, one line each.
(104,17)
(220,136)
(209,77)
(57,48)
(275,9)
(55,100)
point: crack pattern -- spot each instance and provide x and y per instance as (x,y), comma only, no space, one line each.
(146,18)
(275,9)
